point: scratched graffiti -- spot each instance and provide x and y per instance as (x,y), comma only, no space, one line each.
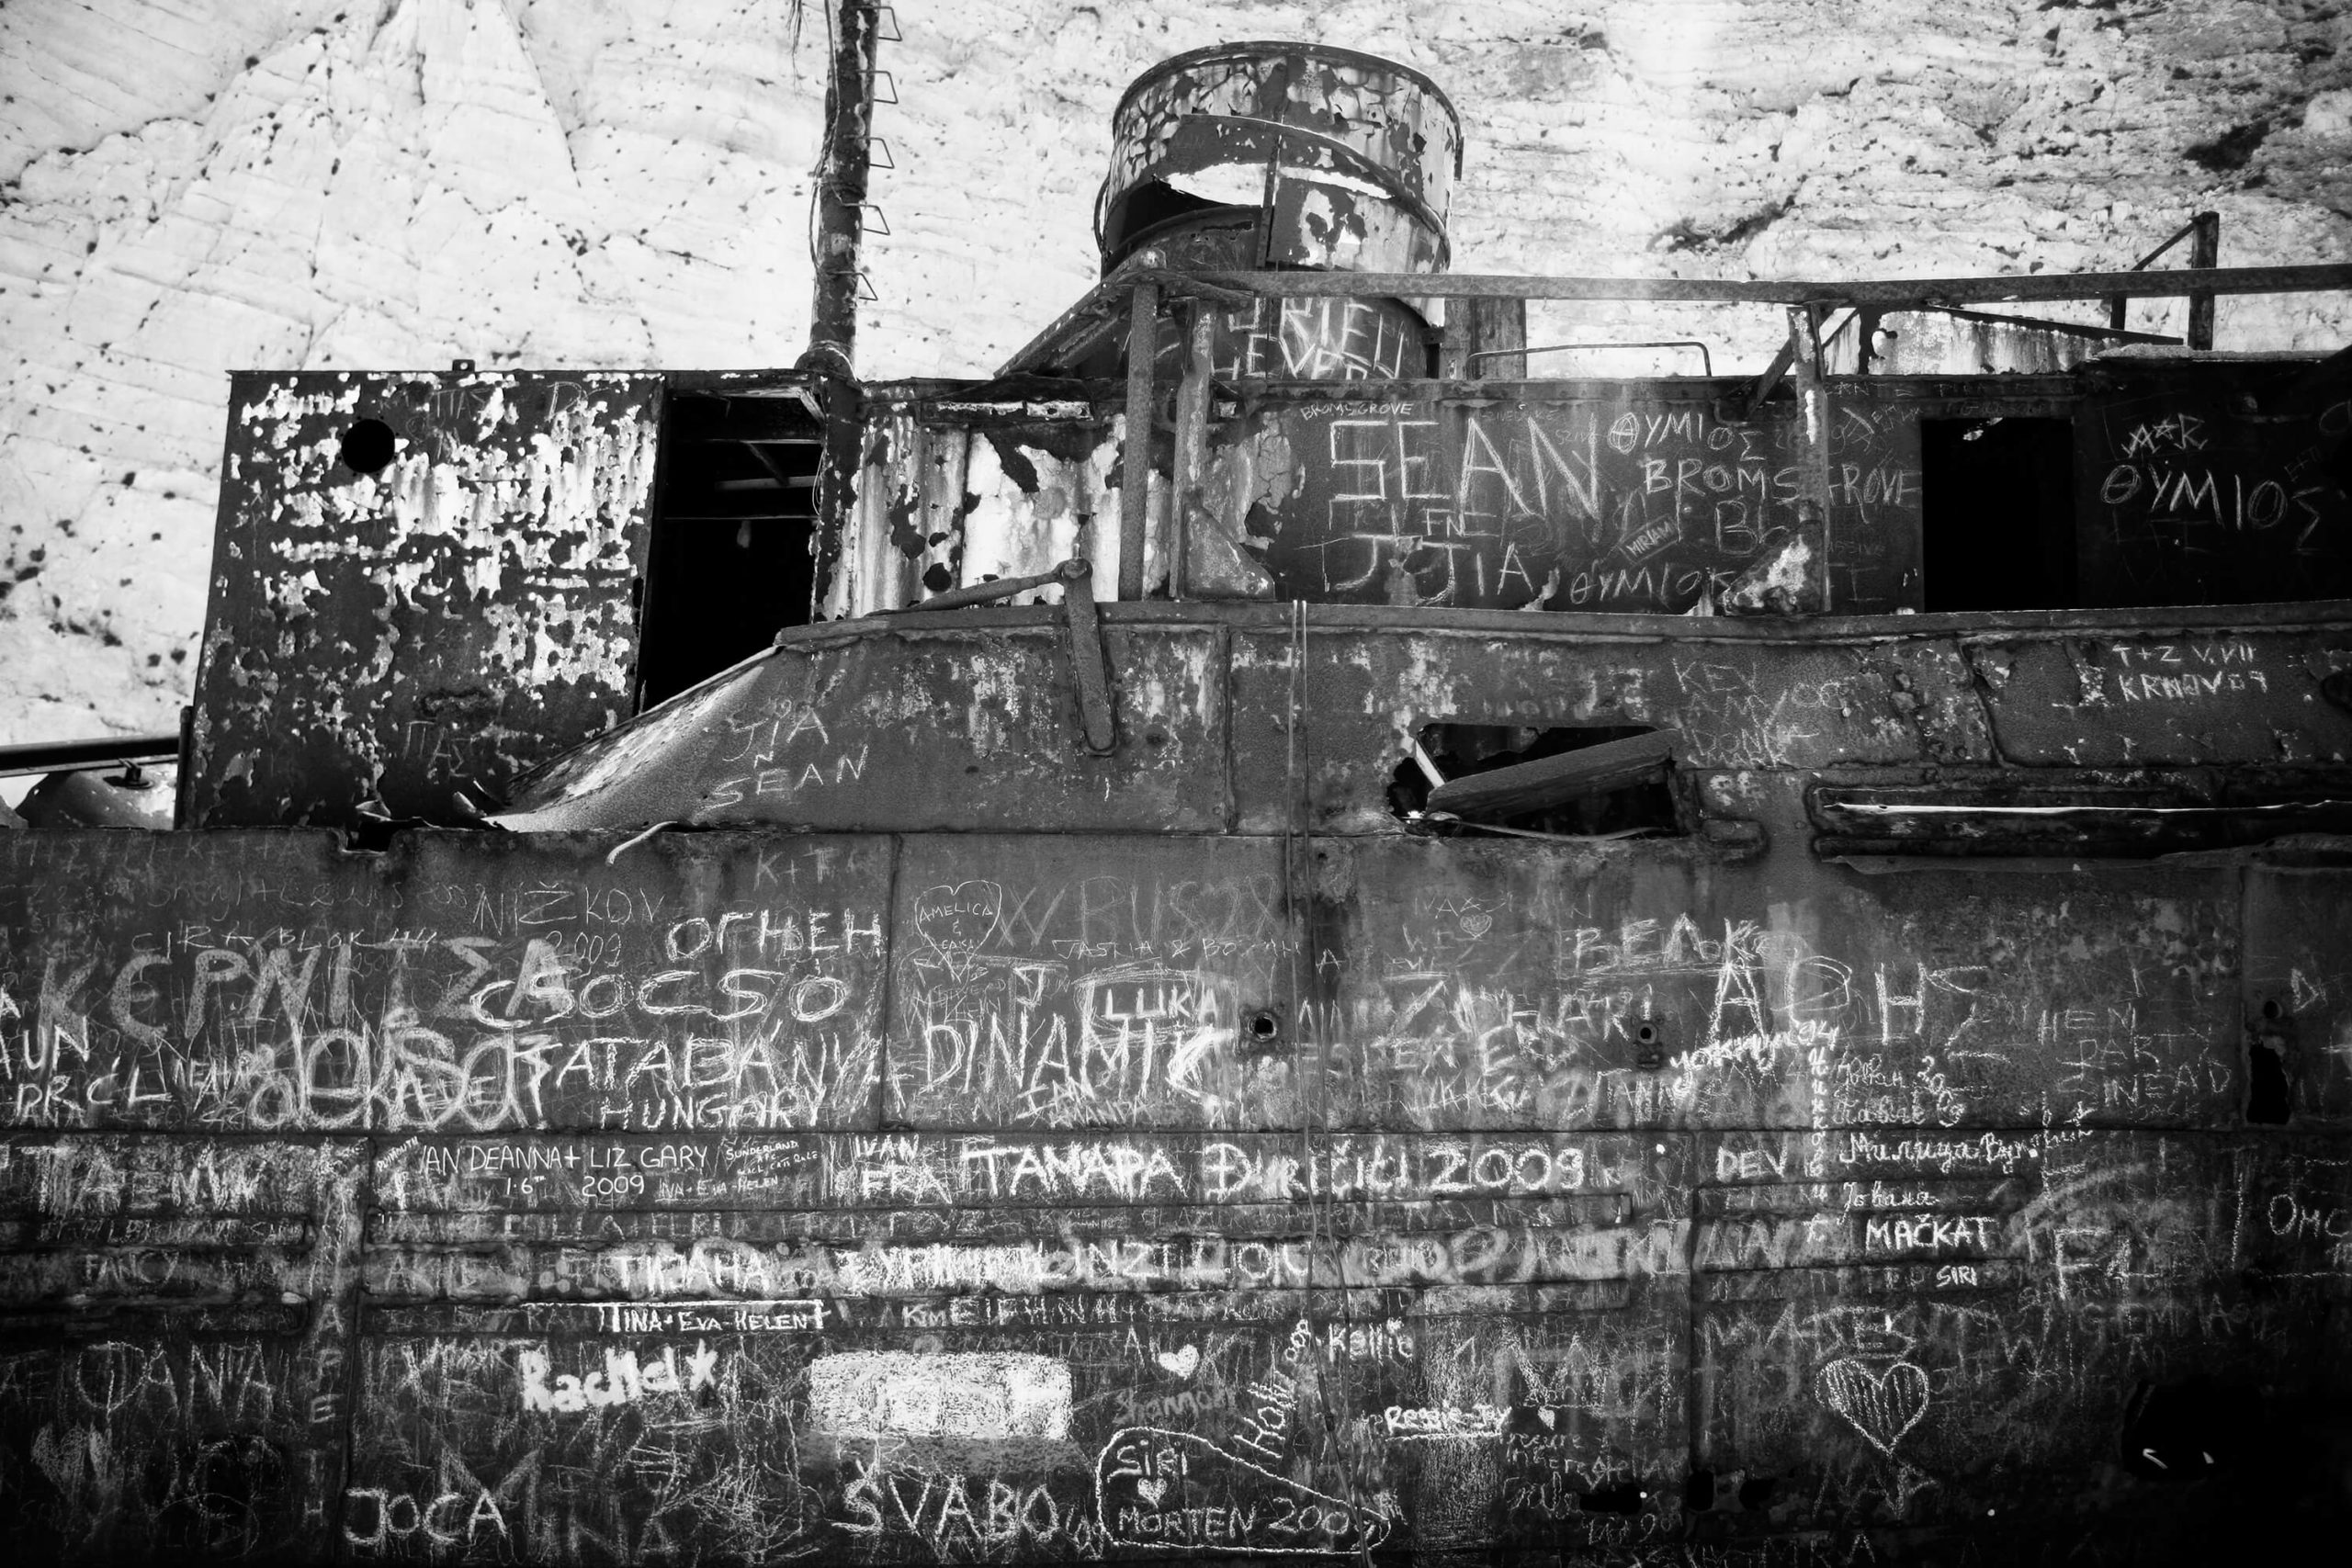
(1133,1208)
(1565,505)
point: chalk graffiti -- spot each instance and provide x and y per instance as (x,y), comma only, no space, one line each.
(625,1379)
(1174,1489)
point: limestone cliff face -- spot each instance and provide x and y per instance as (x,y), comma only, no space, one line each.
(192,185)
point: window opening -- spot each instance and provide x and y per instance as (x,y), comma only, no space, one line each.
(1570,781)
(734,515)
(1997,513)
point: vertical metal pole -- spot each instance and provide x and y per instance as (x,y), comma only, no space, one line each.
(841,191)
(1184,486)
(1812,409)
(1134,460)
(2204,249)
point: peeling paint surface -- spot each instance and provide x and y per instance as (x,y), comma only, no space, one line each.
(1350,159)
(1536,496)
(447,617)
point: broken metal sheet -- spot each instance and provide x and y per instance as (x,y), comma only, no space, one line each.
(1351,158)
(2201,693)
(1515,788)
(909,725)
(1739,702)
(453,613)
(955,492)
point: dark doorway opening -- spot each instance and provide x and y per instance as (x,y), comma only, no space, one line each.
(733,519)
(1997,509)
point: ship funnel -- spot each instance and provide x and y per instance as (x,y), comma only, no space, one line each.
(1259,155)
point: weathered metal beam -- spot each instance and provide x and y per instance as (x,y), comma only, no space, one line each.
(987,593)
(1815,473)
(1483,330)
(1185,495)
(1089,667)
(1088,324)
(2204,255)
(2043,324)
(1134,459)
(1795,291)
(54,756)
(1551,781)
(1771,376)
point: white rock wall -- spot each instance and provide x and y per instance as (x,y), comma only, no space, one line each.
(188,187)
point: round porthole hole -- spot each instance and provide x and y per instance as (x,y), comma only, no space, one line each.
(367,446)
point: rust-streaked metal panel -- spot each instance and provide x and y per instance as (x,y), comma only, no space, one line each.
(456,615)
(175,1316)
(2204,692)
(263,982)
(1737,704)
(1347,160)
(1075,981)
(1637,985)
(1267,1421)
(961,484)
(1926,1341)
(1494,1359)
(1569,496)
(2207,482)
(931,721)
(1303,339)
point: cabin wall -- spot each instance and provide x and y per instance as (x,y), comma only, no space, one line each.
(2195,480)
(459,611)
(1273,1180)
(1627,496)
(2216,482)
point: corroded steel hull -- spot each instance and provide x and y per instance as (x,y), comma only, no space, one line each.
(1053,1156)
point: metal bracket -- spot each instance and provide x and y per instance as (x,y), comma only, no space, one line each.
(1098,721)
(1087,662)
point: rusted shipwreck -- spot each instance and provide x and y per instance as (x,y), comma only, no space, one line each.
(1197,949)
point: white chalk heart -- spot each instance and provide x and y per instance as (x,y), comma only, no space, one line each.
(958,919)
(1882,1407)
(1184,1362)
(1151,1490)
(1550,1417)
(1475,926)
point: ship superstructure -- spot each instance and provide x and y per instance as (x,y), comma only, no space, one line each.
(1268,932)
